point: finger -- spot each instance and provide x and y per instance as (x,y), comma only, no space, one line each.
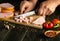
(22,9)
(21,5)
(27,10)
(40,11)
(44,11)
(48,12)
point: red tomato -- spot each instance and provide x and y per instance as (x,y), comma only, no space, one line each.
(48,25)
(55,21)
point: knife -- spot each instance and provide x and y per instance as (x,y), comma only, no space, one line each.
(26,14)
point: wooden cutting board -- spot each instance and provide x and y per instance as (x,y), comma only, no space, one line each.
(29,24)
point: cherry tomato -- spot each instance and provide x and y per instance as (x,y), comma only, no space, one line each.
(48,25)
(55,21)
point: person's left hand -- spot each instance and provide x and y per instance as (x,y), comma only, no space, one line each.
(47,7)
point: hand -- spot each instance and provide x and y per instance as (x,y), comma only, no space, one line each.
(47,7)
(26,6)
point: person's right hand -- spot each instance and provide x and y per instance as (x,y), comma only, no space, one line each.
(26,6)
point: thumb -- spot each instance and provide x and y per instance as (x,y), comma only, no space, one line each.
(22,10)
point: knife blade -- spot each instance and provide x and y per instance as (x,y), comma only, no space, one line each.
(26,14)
